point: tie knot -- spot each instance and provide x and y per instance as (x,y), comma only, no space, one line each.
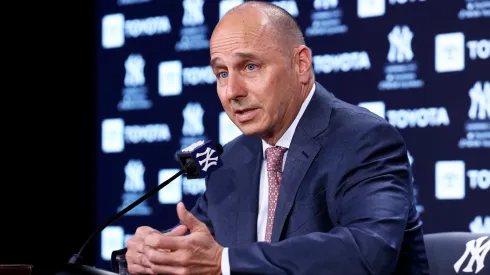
(274,156)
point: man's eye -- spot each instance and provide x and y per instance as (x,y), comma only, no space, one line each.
(223,74)
(251,66)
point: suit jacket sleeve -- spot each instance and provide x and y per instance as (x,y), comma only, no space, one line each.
(118,259)
(372,202)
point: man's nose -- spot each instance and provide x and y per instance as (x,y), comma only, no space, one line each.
(235,88)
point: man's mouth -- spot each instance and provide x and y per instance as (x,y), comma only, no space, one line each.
(244,115)
(244,111)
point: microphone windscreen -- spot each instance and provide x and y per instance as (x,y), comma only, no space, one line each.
(200,158)
(219,148)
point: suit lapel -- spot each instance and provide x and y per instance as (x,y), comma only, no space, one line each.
(300,156)
(301,153)
(248,182)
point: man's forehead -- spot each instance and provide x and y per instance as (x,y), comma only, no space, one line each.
(239,31)
(238,44)
(236,55)
(244,34)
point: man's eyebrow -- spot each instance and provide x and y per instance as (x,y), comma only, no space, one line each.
(244,55)
(241,55)
(214,60)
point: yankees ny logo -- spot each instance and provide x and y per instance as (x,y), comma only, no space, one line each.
(135,74)
(193,12)
(478,253)
(193,125)
(325,4)
(208,160)
(134,176)
(400,39)
(480,100)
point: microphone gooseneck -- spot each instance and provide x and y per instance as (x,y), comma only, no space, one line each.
(75,258)
(190,167)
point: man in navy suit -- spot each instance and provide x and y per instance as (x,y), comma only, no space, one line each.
(314,186)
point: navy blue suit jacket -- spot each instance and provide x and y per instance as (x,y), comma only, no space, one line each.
(345,202)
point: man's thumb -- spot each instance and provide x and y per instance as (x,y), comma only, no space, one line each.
(187,218)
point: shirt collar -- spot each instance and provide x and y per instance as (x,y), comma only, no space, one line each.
(287,137)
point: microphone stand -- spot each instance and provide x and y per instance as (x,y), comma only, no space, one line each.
(74,265)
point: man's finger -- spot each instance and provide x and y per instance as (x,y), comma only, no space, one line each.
(187,218)
(179,230)
(165,269)
(172,258)
(138,269)
(144,230)
(137,263)
(136,244)
(136,258)
(161,241)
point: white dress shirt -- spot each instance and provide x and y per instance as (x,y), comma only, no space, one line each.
(284,141)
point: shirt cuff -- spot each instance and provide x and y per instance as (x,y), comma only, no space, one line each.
(225,262)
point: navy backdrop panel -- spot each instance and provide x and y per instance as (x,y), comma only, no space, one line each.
(422,65)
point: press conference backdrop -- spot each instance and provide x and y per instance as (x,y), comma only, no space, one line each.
(422,65)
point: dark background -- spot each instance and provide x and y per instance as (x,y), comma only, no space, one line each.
(48,113)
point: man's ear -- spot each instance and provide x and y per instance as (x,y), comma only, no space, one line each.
(304,63)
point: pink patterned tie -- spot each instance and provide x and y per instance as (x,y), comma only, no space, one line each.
(274,157)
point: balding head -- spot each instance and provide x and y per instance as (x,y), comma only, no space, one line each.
(275,22)
(262,67)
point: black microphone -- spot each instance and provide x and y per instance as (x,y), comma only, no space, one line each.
(197,161)
(199,157)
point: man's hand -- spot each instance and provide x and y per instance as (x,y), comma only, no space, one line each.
(196,253)
(135,257)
